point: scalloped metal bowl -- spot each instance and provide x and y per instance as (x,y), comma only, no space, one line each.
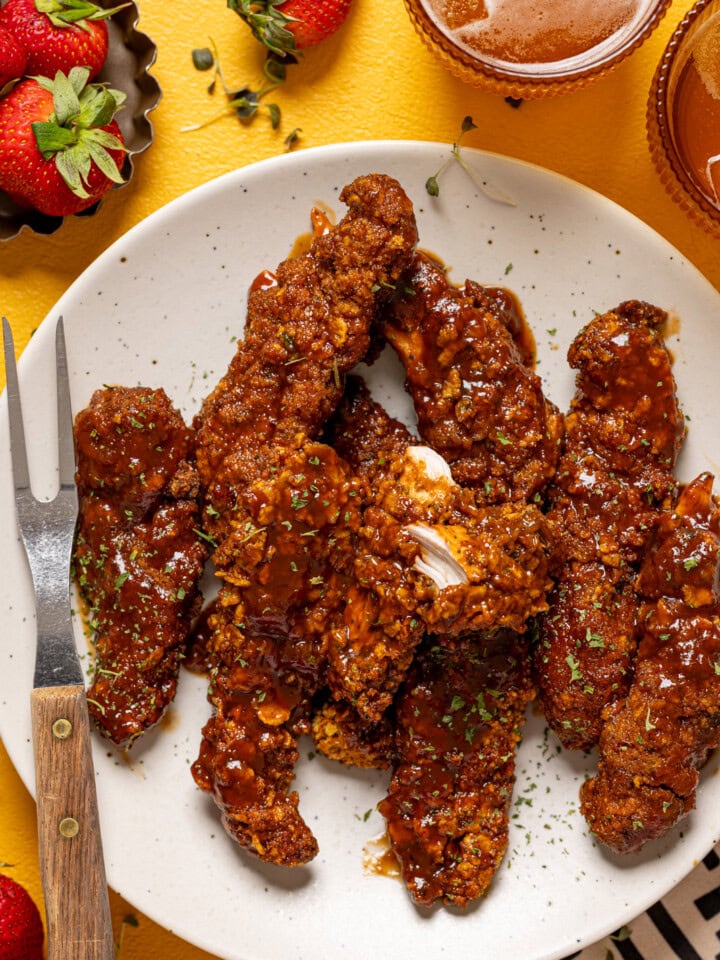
(130,56)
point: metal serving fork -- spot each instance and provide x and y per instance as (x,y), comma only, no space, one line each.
(79,925)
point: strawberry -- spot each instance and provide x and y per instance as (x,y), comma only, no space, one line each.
(12,58)
(60,146)
(21,929)
(58,34)
(285,26)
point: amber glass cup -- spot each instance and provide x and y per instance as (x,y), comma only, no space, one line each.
(683,116)
(533,48)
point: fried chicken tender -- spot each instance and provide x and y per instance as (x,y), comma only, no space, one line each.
(249,750)
(459,713)
(655,739)
(428,558)
(138,556)
(623,433)
(459,718)
(410,483)
(268,641)
(281,507)
(478,403)
(303,331)
(373,639)
(365,436)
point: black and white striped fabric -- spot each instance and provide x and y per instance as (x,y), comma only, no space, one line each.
(685,924)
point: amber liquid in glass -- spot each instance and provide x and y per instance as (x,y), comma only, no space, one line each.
(532,31)
(696,112)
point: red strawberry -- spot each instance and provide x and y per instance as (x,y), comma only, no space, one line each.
(12,58)
(60,148)
(58,34)
(21,929)
(285,26)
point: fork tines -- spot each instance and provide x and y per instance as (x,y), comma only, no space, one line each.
(66,451)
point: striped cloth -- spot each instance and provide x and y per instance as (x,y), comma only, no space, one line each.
(685,924)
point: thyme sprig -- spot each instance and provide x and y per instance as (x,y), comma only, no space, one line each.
(129,920)
(245,101)
(432,184)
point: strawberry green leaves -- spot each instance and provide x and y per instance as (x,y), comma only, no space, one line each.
(74,164)
(74,134)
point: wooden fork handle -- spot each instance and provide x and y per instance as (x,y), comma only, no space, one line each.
(79,925)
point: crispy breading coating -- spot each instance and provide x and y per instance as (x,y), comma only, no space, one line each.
(458,714)
(372,641)
(478,403)
(363,432)
(341,733)
(623,433)
(459,719)
(138,556)
(655,739)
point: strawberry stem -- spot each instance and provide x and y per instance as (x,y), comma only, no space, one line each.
(268,24)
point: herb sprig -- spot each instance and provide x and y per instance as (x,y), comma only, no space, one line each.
(244,102)
(432,184)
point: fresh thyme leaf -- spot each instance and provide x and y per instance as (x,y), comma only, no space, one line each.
(203,58)
(292,138)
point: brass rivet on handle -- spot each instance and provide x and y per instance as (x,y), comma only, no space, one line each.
(62,728)
(69,827)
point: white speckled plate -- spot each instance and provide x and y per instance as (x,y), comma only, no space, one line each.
(163,306)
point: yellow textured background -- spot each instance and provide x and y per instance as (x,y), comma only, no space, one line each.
(373,80)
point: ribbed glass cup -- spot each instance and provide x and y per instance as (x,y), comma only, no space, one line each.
(531,49)
(683,116)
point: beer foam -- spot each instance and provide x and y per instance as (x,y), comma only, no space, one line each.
(707,56)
